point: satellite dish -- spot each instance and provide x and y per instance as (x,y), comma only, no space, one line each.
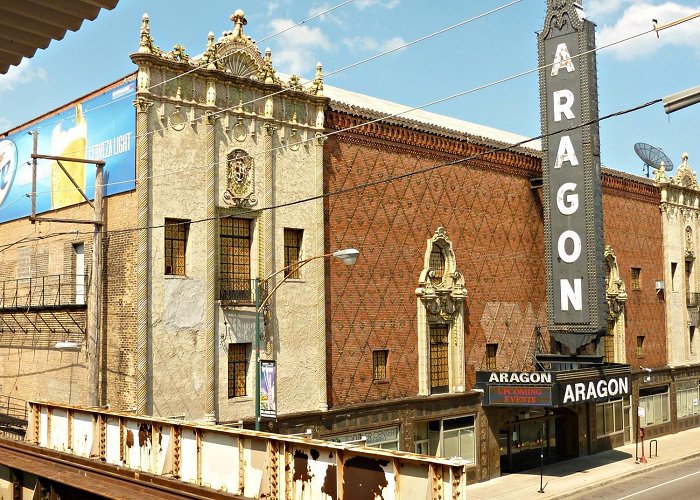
(652,157)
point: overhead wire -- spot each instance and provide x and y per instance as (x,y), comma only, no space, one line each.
(179,75)
(331,73)
(487,152)
(408,109)
(491,151)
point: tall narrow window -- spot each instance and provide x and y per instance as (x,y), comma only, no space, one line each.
(609,345)
(292,251)
(439,362)
(238,355)
(688,276)
(235,259)
(176,232)
(674,266)
(437,265)
(640,347)
(379,358)
(79,255)
(491,350)
(636,278)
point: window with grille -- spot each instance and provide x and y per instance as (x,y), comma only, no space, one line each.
(640,347)
(491,350)
(234,270)
(238,355)
(379,359)
(292,251)
(439,361)
(636,278)
(437,264)
(176,233)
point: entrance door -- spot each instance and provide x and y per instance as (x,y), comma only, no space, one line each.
(79,250)
(535,431)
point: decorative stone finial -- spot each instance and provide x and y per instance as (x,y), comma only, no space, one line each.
(145,45)
(317,84)
(239,21)
(209,58)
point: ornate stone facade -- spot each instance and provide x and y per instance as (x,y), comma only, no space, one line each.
(680,212)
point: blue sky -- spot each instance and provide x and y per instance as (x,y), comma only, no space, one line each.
(477,53)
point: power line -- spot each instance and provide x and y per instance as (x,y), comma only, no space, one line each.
(307,81)
(458,161)
(288,28)
(410,109)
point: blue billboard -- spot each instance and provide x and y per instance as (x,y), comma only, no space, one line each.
(99,127)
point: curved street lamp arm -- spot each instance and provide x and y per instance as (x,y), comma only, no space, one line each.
(295,266)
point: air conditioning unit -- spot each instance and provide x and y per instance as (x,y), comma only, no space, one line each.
(659,284)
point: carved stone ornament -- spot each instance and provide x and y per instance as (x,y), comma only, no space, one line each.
(442,300)
(615,288)
(240,176)
(685,176)
(689,247)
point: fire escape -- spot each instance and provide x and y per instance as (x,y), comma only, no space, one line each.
(43,312)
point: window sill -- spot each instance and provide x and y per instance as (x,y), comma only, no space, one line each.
(381,381)
(176,277)
(240,399)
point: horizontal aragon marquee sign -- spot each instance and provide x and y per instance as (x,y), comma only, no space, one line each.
(543,388)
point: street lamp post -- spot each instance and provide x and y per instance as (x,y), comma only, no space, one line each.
(347,256)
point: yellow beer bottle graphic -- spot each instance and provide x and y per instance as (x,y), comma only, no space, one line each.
(68,143)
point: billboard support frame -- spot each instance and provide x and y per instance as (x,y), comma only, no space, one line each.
(96,274)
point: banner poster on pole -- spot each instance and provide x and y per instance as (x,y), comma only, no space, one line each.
(268,389)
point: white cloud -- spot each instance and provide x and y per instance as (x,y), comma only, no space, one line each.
(596,9)
(20,75)
(638,18)
(363,4)
(330,16)
(370,44)
(298,46)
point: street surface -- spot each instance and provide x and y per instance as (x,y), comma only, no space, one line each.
(679,481)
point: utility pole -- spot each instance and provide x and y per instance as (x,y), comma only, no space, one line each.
(96,279)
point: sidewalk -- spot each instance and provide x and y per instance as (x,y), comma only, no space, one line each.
(577,475)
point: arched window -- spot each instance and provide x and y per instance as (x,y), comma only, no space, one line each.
(441,295)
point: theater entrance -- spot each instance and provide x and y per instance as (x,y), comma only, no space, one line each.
(531,430)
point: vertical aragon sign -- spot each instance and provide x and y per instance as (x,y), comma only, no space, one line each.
(571,174)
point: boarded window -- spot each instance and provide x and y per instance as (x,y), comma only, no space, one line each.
(238,355)
(379,359)
(234,270)
(491,350)
(636,278)
(437,265)
(292,251)
(439,361)
(176,233)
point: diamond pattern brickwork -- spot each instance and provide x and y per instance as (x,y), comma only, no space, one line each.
(632,225)
(494,221)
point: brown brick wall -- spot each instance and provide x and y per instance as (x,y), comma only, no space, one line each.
(494,220)
(495,225)
(632,225)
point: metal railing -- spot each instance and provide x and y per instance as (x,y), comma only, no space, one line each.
(240,290)
(44,291)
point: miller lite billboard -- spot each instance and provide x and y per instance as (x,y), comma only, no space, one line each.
(573,207)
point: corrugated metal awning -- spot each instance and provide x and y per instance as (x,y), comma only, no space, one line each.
(28,25)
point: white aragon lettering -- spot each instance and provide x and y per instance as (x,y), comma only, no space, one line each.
(567,204)
(566,152)
(561,246)
(562,60)
(563,107)
(571,294)
(569,394)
